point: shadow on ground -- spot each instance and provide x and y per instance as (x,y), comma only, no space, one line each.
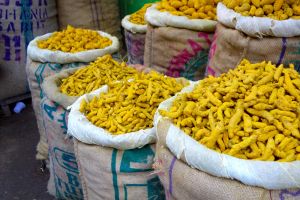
(20,176)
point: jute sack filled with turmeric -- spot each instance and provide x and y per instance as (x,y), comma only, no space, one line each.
(61,90)
(114,129)
(243,125)
(251,38)
(50,53)
(178,38)
(187,182)
(135,28)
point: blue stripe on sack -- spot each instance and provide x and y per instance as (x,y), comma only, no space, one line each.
(28,34)
(114,173)
(283,50)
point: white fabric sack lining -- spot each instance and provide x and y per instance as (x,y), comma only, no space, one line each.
(51,87)
(257,26)
(134,28)
(45,55)
(162,19)
(266,174)
(83,130)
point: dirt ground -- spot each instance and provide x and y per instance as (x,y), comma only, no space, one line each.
(20,174)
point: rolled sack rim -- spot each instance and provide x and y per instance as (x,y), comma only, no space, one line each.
(133,28)
(44,55)
(257,26)
(163,19)
(83,130)
(270,175)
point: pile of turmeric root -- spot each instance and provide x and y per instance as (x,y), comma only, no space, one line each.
(251,112)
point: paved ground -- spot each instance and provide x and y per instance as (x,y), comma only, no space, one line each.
(20,177)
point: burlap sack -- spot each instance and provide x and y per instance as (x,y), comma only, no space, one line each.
(231,46)
(108,173)
(183,182)
(177,52)
(64,182)
(135,36)
(36,73)
(93,14)
(22,22)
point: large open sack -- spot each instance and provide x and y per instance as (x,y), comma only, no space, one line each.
(230,46)
(42,63)
(94,14)
(22,22)
(176,45)
(135,40)
(268,175)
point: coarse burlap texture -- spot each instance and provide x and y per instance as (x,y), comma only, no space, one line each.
(177,52)
(64,182)
(184,182)
(92,14)
(36,73)
(20,22)
(135,36)
(108,173)
(230,46)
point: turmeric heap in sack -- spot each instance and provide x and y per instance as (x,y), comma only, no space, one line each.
(104,70)
(275,9)
(139,16)
(74,40)
(251,112)
(193,9)
(130,105)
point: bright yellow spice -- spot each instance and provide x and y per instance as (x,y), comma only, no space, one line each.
(130,105)
(251,112)
(139,16)
(103,71)
(193,9)
(74,40)
(275,9)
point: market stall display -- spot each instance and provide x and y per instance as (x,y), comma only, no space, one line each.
(18,26)
(44,62)
(114,150)
(240,124)
(177,44)
(135,28)
(61,90)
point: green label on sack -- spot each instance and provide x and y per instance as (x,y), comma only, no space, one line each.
(133,162)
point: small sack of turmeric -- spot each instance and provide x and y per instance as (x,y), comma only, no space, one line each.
(120,114)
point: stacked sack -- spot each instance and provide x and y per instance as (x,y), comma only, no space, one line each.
(52,52)
(19,24)
(256,30)
(243,125)
(96,14)
(135,28)
(61,91)
(179,37)
(113,127)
